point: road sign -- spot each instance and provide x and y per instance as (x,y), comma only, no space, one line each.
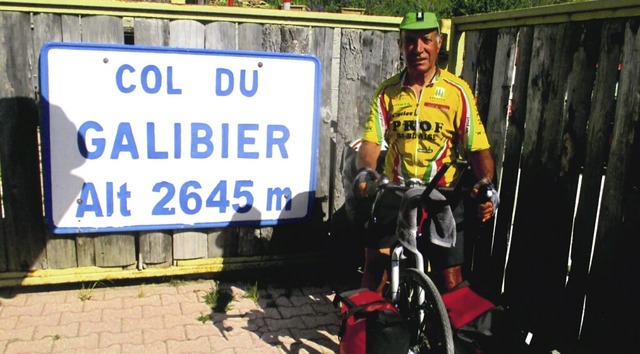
(148,138)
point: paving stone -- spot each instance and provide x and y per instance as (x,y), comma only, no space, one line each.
(82,317)
(108,325)
(146,323)
(67,331)
(289,312)
(153,311)
(24,310)
(18,334)
(61,308)
(147,300)
(150,348)
(164,318)
(81,344)
(155,335)
(108,339)
(8,323)
(133,313)
(32,346)
(95,304)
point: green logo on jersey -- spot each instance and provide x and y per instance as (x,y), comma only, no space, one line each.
(439,92)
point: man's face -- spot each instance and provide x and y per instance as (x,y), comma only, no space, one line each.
(420,49)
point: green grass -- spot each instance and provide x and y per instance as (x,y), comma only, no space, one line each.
(86,292)
(218,300)
(253,293)
(204,318)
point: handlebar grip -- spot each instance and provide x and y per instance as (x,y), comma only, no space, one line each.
(485,192)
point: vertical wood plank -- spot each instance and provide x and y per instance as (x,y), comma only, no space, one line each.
(511,162)
(61,249)
(322,47)
(222,242)
(220,35)
(22,199)
(249,36)
(581,103)
(155,247)
(595,159)
(188,244)
(478,74)
(391,62)
(472,42)
(489,245)
(118,249)
(580,85)
(294,39)
(484,73)
(4,246)
(271,38)
(348,124)
(372,52)
(616,243)
(149,31)
(71,28)
(545,204)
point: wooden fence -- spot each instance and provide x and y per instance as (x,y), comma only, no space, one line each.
(557,88)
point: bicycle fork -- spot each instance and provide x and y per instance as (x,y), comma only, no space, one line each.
(396,256)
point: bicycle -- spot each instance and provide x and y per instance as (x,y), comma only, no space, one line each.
(410,289)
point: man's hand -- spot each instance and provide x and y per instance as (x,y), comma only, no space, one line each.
(489,199)
(362,182)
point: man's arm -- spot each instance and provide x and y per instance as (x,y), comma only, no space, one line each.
(483,167)
(368,155)
(482,164)
(367,159)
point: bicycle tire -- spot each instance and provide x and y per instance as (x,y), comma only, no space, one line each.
(433,333)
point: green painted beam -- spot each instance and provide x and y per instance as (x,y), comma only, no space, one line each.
(569,12)
(206,13)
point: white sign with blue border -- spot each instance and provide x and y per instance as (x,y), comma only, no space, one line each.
(149,138)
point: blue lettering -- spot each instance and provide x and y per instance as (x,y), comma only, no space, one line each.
(243,86)
(88,193)
(144,78)
(151,144)
(225,141)
(245,140)
(109,198)
(119,73)
(177,144)
(123,134)
(170,89)
(219,90)
(123,195)
(272,140)
(197,140)
(98,143)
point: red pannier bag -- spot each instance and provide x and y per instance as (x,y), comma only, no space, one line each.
(370,324)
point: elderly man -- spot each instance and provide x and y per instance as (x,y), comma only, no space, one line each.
(428,117)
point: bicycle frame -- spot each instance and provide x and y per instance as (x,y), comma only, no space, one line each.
(398,251)
(394,281)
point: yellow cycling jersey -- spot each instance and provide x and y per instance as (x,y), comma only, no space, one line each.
(426,132)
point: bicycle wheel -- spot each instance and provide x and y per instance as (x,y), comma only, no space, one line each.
(427,320)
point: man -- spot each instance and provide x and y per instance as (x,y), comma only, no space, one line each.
(428,117)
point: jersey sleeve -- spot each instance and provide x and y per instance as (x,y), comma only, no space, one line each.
(471,129)
(376,124)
